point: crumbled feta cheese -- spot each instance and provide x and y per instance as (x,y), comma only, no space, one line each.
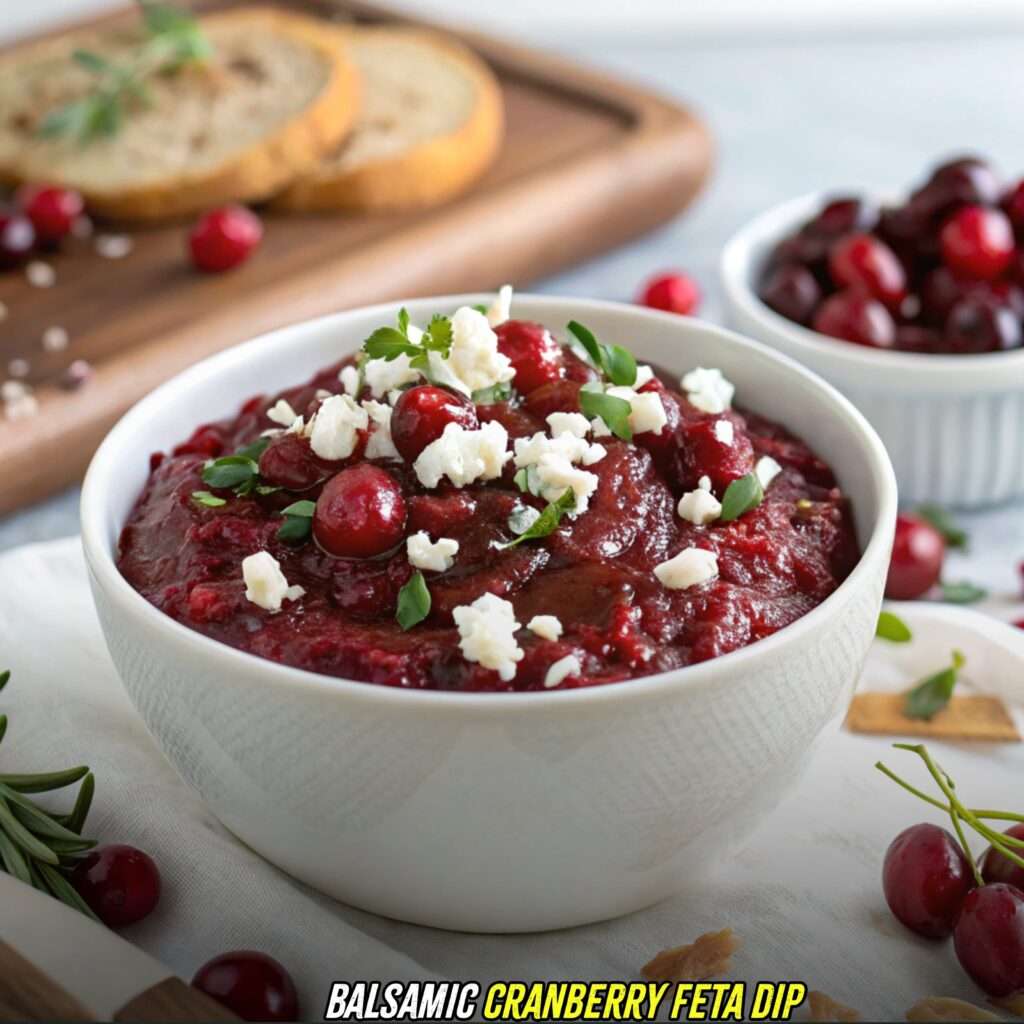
(647,414)
(501,308)
(299,426)
(265,584)
(549,627)
(281,412)
(644,375)
(380,445)
(766,470)
(561,670)
(438,556)
(522,518)
(699,507)
(594,453)
(708,390)
(487,634)
(349,378)
(704,483)
(724,432)
(334,428)
(383,375)
(599,428)
(464,455)
(690,567)
(441,373)
(574,423)
(474,357)
(550,464)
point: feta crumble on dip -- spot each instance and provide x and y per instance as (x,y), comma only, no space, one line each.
(483,503)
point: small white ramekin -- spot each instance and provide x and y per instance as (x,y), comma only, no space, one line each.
(953,425)
(492,812)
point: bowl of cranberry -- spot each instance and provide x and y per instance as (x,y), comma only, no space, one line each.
(914,311)
(489,620)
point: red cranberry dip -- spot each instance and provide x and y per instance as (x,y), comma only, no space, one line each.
(942,273)
(475,506)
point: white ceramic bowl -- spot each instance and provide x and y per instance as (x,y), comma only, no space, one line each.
(953,425)
(491,812)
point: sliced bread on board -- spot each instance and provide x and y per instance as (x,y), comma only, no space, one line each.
(275,94)
(430,123)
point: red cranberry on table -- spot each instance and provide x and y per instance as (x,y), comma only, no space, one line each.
(867,262)
(673,292)
(421,414)
(997,868)
(793,292)
(916,563)
(989,938)
(360,513)
(252,985)
(224,238)
(17,238)
(52,210)
(120,884)
(853,316)
(926,879)
(535,356)
(978,241)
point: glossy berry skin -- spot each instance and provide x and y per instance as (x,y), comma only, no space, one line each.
(535,355)
(997,868)
(672,292)
(916,563)
(119,883)
(289,462)
(863,261)
(53,211)
(926,878)
(989,938)
(17,238)
(977,241)
(222,239)
(977,324)
(844,215)
(252,985)
(967,180)
(421,414)
(853,316)
(793,292)
(360,513)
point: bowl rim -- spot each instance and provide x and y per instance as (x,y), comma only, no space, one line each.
(105,574)
(736,269)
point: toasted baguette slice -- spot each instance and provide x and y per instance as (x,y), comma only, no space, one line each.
(277,94)
(431,122)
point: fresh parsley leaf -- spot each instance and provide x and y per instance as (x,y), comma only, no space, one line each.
(547,522)
(298,522)
(438,335)
(230,471)
(387,343)
(962,593)
(403,322)
(931,695)
(892,628)
(207,499)
(495,393)
(614,411)
(175,31)
(481,308)
(952,534)
(413,601)
(616,363)
(255,450)
(4,677)
(586,338)
(742,495)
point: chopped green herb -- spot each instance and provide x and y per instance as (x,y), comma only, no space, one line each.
(413,601)
(892,628)
(547,522)
(255,450)
(613,410)
(931,695)
(236,472)
(616,363)
(298,522)
(962,593)
(522,480)
(742,495)
(389,343)
(495,393)
(207,499)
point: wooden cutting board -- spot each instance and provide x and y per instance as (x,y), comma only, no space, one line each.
(588,162)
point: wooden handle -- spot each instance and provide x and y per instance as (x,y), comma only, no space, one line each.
(172,1000)
(26,993)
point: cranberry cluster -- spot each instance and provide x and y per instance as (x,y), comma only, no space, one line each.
(40,217)
(943,273)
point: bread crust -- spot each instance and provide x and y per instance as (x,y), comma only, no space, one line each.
(427,174)
(256,173)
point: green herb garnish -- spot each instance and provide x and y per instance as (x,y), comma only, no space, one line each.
(742,495)
(207,499)
(389,343)
(495,393)
(952,534)
(298,522)
(413,601)
(616,363)
(892,628)
(173,39)
(547,522)
(931,695)
(239,473)
(962,593)
(614,411)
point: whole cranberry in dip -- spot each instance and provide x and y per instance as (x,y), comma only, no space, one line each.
(939,274)
(434,515)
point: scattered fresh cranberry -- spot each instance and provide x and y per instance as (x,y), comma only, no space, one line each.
(120,884)
(989,938)
(52,210)
(360,513)
(421,414)
(977,241)
(926,878)
(673,292)
(867,262)
(917,554)
(224,238)
(793,292)
(535,356)
(250,984)
(17,238)
(854,316)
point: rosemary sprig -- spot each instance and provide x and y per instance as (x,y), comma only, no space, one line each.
(36,846)
(173,39)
